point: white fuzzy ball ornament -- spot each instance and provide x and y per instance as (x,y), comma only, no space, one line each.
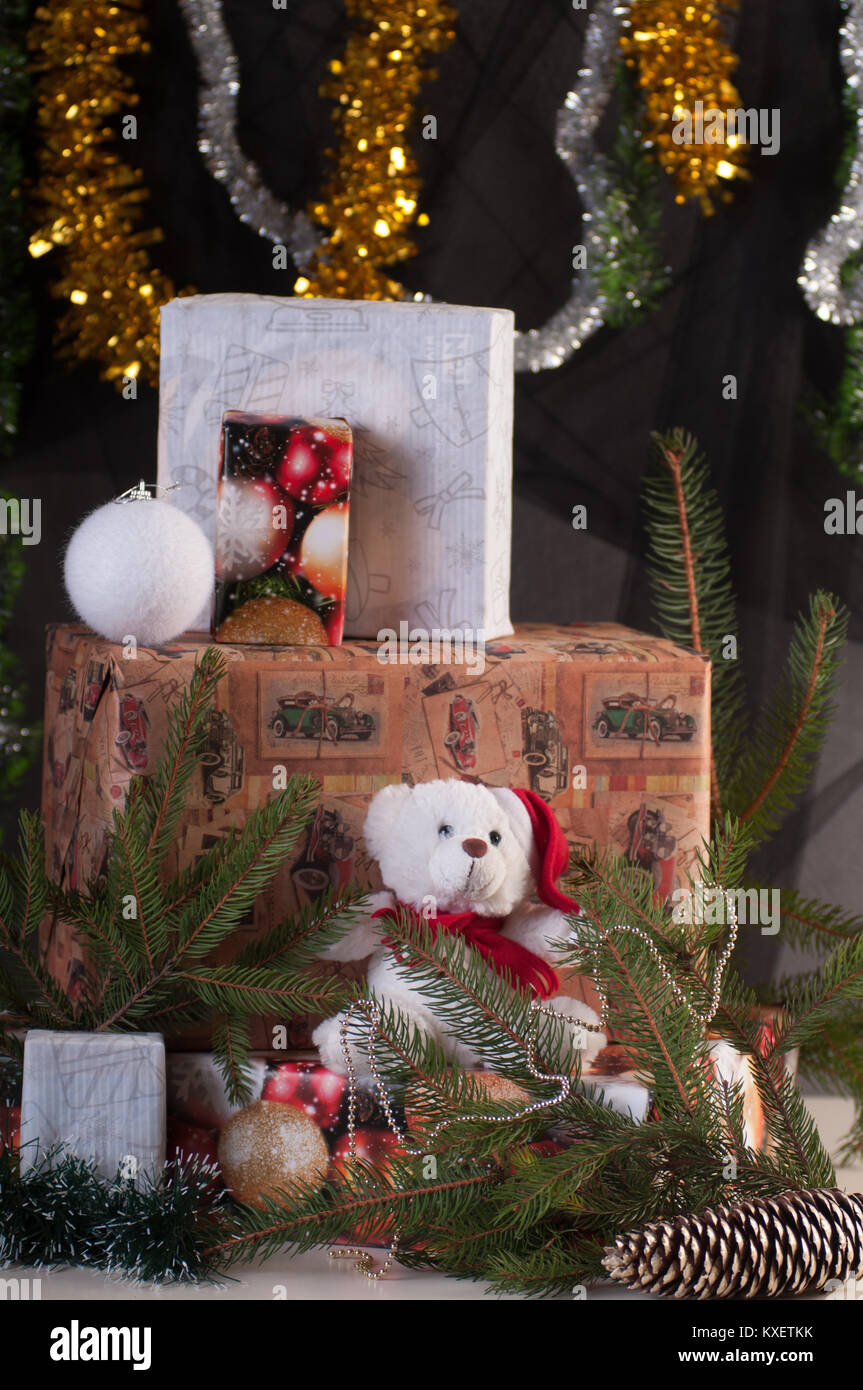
(140,568)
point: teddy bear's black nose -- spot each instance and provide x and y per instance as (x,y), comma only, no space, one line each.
(475,848)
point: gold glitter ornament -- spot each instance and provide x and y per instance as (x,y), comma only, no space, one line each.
(87,198)
(369,202)
(681,57)
(280,622)
(266,1147)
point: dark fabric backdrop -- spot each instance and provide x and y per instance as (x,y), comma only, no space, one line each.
(504,216)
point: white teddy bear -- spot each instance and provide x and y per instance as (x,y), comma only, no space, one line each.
(467,858)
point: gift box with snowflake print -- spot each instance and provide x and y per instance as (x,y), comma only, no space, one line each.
(427,392)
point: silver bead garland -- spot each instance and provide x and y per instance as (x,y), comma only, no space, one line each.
(372,1012)
(820,277)
(679,993)
(364,1263)
(217,137)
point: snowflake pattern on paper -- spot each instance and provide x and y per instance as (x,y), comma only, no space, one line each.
(465,554)
(236,544)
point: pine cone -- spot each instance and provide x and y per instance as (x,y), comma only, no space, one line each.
(768,1246)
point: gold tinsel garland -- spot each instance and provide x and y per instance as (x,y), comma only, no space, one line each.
(369,202)
(88,198)
(681,57)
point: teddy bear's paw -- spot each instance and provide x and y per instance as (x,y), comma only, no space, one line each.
(364,937)
(327,1038)
(588,1042)
(375,902)
(539,929)
(461,1054)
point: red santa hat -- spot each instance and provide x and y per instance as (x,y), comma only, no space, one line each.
(543,841)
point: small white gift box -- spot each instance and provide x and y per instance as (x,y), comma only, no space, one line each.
(428,392)
(98,1095)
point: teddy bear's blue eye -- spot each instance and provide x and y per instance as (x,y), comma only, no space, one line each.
(446,831)
(495,837)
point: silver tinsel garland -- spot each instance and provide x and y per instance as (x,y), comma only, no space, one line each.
(577,122)
(537,349)
(217,136)
(821,274)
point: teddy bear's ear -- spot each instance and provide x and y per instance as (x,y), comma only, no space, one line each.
(517,817)
(384,809)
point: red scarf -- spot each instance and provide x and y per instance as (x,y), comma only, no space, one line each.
(498,951)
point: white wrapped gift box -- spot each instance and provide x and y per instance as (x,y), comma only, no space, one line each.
(428,391)
(98,1095)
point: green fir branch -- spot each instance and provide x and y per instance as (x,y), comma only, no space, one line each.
(776,766)
(166,791)
(146,938)
(133,882)
(797,1147)
(231,1042)
(490,1012)
(690,577)
(301,1216)
(833,1059)
(836,420)
(264,843)
(813,925)
(631,274)
(810,1002)
(225,989)
(301,938)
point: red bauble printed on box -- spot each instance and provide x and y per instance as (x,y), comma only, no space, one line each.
(282,530)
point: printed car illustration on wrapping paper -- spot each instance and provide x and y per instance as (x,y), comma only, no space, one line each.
(222,759)
(544,752)
(328,855)
(306,715)
(59,768)
(652,846)
(463,732)
(91,688)
(68,690)
(591,646)
(632,716)
(134,731)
